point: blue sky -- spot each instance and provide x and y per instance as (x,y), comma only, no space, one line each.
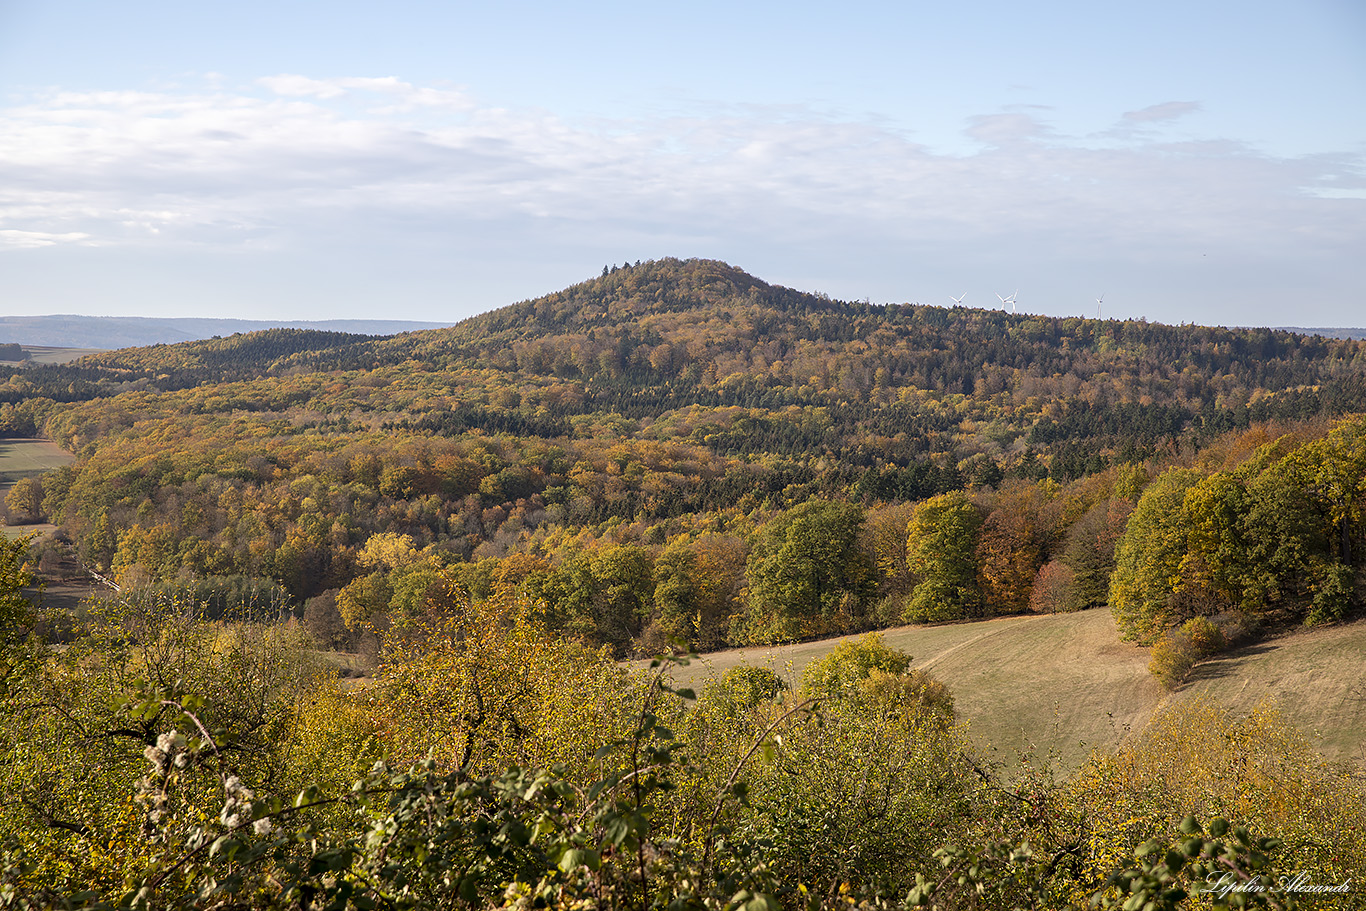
(1192,161)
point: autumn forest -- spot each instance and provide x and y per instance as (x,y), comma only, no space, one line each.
(671,457)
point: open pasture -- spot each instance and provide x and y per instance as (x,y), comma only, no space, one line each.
(29,459)
(21,459)
(1065,684)
(46,354)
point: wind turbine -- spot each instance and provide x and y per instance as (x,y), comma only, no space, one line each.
(957,301)
(1098,300)
(1009,300)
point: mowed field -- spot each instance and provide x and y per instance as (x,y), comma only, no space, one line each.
(1064,684)
(28,459)
(42,354)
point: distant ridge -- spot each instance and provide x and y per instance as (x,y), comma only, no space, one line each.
(70,331)
(1326,333)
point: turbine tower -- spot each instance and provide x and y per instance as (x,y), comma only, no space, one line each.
(1098,300)
(1009,300)
(958,301)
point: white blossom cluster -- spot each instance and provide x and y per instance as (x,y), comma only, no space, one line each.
(237,809)
(170,750)
(169,753)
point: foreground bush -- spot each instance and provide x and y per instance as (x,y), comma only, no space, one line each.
(169,762)
(1198,759)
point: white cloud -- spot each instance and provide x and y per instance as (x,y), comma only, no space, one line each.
(1169,110)
(288,84)
(1001,129)
(13,238)
(401,96)
(380,158)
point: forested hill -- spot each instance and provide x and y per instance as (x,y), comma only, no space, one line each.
(659,335)
(704,324)
(649,426)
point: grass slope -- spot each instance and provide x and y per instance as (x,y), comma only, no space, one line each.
(28,459)
(1316,676)
(1065,684)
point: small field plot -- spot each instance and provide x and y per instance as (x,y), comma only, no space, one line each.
(40,354)
(10,532)
(29,459)
(1060,684)
(1316,676)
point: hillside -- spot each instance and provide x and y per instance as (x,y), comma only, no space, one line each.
(493,516)
(677,449)
(1065,684)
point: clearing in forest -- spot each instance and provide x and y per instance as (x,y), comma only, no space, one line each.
(1064,684)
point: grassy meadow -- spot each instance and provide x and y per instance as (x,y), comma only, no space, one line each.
(1065,684)
(21,459)
(29,459)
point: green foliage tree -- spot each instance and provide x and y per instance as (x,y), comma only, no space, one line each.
(25,501)
(1089,549)
(365,598)
(16,611)
(808,576)
(678,594)
(603,596)
(941,542)
(15,575)
(1149,556)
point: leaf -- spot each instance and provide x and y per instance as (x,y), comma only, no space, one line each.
(579,857)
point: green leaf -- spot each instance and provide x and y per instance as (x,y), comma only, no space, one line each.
(577,857)
(762,901)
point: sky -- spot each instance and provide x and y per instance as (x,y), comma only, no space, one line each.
(1181,160)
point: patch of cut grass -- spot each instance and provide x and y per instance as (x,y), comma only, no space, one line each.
(29,459)
(1062,685)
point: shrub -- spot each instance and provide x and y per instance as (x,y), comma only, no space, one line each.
(1173,656)
(744,687)
(1199,758)
(1205,636)
(1236,626)
(916,690)
(850,662)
